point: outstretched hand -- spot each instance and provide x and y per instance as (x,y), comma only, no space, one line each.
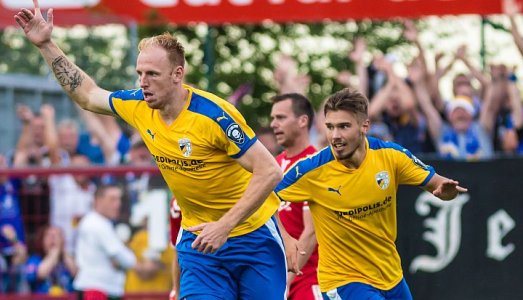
(36,28)
(448,189)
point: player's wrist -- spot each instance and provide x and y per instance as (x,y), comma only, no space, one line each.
(172,294)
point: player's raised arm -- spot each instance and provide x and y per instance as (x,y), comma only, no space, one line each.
(80,87)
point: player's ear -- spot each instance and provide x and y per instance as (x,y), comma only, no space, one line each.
(303,120)
(365,126)
(177,74)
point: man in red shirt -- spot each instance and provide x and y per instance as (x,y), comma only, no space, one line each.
(291,119)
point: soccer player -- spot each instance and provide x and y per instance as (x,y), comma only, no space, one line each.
(221,176)
(291,119)
(351,189)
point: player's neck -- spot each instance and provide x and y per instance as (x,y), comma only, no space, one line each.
(172,110)
(300,144)
(355,160)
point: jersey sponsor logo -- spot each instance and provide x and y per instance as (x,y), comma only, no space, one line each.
(149,132)
(365,211)
(223,117)
(383,179)
(134,92)
(173,164)
(235,134)
(185,146)
(337,191)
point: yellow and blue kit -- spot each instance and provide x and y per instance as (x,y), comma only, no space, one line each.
(196,156)
(354,211)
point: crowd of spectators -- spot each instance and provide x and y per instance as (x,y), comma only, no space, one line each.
(39,226)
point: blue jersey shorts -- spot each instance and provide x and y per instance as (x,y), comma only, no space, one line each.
(250,267)
(360,291)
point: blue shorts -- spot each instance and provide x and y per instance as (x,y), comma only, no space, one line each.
(251,266)
(362,291)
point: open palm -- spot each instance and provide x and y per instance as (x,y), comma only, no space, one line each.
(35,27)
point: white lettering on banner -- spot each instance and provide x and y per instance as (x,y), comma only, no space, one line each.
(17,4)
(444,231)
(498,225)
(160,3)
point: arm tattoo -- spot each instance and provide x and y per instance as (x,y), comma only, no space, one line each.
(66,73)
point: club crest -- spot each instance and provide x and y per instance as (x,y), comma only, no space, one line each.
(235,133)
(383,179)
(185,146)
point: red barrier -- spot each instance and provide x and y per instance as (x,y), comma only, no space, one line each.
(246,11)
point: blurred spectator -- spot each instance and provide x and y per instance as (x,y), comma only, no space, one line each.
(13,251)
(31,151)
(71,195)
(71,199)
(101,257)
(356,55)
(287,77)
(502,97)
(50,269)
(152,272)
(462,84)
(512,8)
(430,78)
(461,137)
(395,106)
(266,137)
(104,141)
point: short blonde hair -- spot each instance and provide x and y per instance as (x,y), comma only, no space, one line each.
(168,42)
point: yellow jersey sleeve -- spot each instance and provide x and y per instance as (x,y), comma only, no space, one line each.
(124,103)
(411,170)
(228,130)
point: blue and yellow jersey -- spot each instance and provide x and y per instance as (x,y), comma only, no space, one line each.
(354,211)
(196,154)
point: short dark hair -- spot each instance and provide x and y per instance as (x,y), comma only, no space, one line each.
(348,100)
(301,105)
(102,188)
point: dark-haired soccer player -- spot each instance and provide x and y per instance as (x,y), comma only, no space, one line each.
(351,190)
(291,119)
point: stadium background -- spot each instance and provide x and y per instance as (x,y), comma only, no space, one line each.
(483,262)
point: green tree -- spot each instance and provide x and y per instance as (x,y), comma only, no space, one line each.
(219,59)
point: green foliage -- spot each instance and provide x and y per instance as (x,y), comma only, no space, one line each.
(222,58)
(219,59)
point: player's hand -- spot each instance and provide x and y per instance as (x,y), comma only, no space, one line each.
(212,236)
(292,252)
(35,27)
(448,190)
